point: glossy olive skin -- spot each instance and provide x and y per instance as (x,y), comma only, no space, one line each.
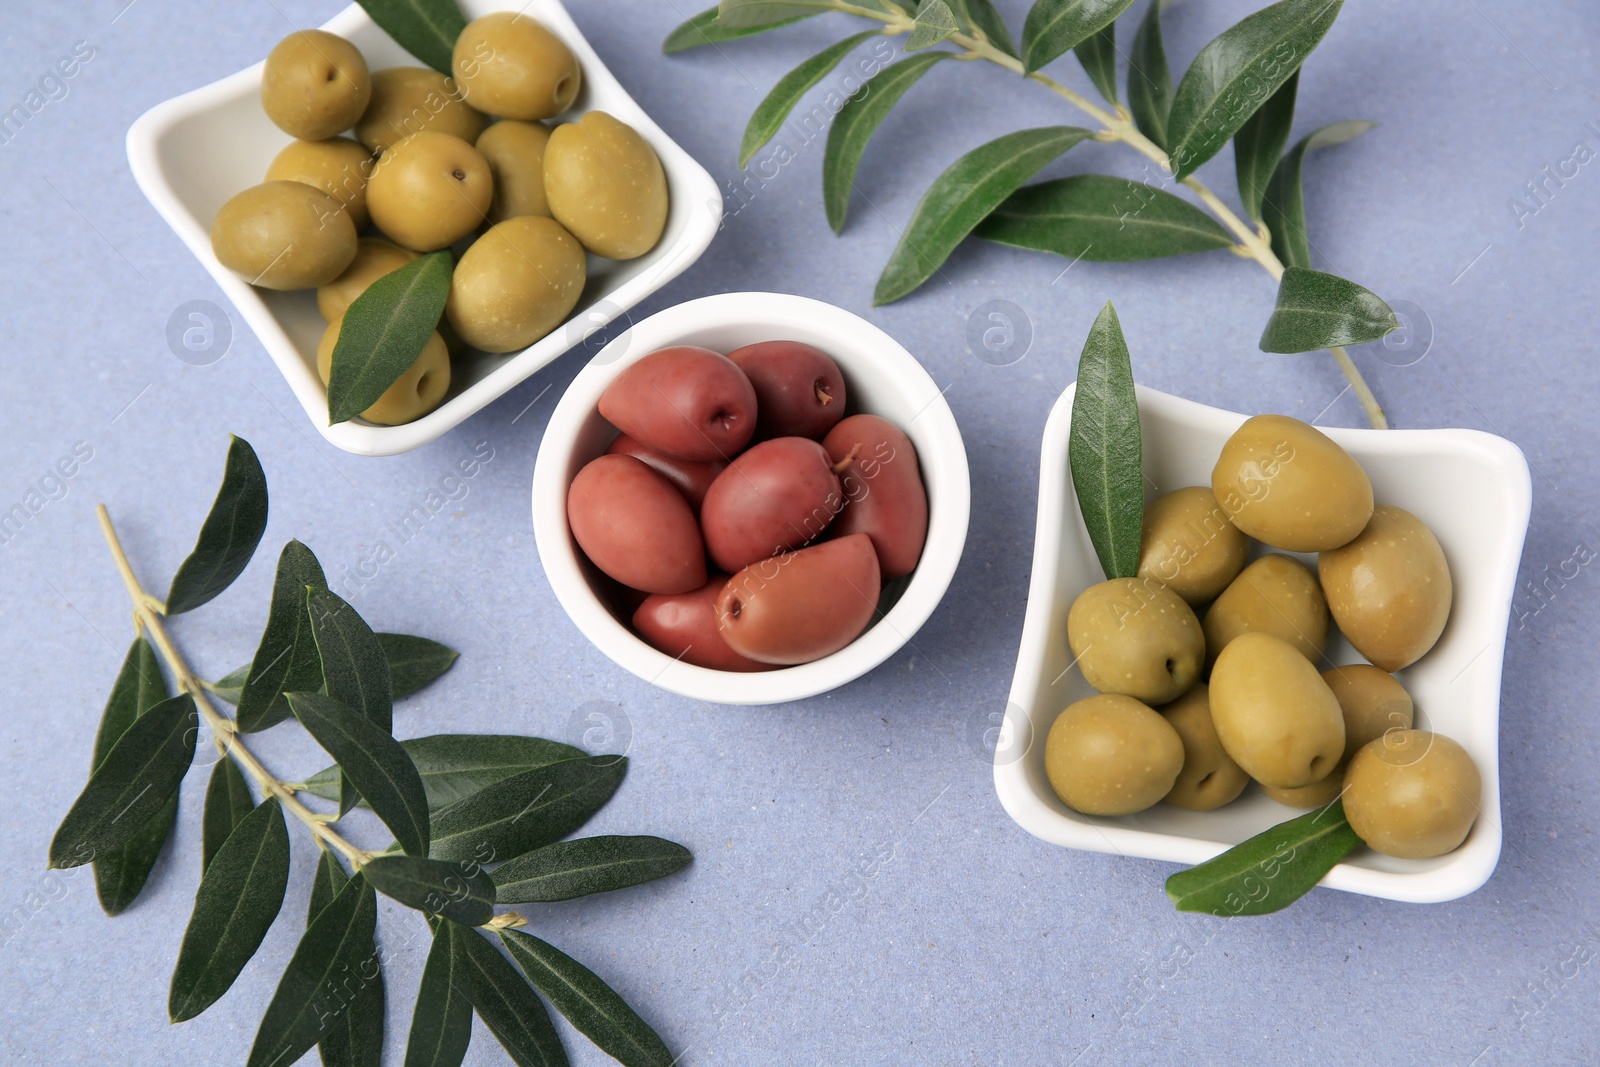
(802,605)
(1112,755)
(1412,794)
(515,151)
(1188,544)
(415,393)
(1372,703)
(634,526)
(1389,589)
(684,401)
(339,167)
(1284,482)
(515,284)
(375,257)
(775,496)
(408,100)
(605,183)
(1136,637)
(315,85)
(691,479)
(429,191)
(509,64)
(684,626)
(1273,712)
(884,497)
(284,235)
(1210,778)
(1277,595)
(799,388)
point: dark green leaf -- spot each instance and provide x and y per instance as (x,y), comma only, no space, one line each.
(705,28)
(1149,77)
(855,124)
(441,1025)
(230,687)
(336,951)
(454,766)
(460,892)
(1098,54)
(384,331)
(1105,449)
(959,199)
(587,1002)
(934,23)
(1053,26)
(764,14)
(354,668)
(1269,871)
(355,1038)
(505,1003)
(980,19)
(1317,310)
(133,783)
(239,897)
(1259,143)
(374,761)
(1100,218)
(1283,208)
(771,113)
(228,537)
(414,662)
(286,660)
(526,811)
(228,801)
(426,28)
(139,687)
(1236,73)
(330,879)
(569,869)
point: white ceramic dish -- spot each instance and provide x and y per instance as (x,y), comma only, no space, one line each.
(881,377)
(1473,491)
(193,152)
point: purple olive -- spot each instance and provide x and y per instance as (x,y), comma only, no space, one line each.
(684,626)
(689,477)
(636,527)
(883,491)
(799,390)
(778,495)
(803,605)
(686,402)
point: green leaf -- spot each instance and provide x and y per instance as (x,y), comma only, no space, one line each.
(374,761)
(934,22)
(1317,310)
(355,1038)
(238,899)
(570,869)
(330,879)
(133,783)
(1053,26)
(1271,870)
(426,28)
(980,19)
(414,662)
(336,950)
(459,892)
(286,660)
(1103,219)
(863,112)
(1259,143)
(228,537)
(526,811)
(454,766)
(230,687)
(139,687)
(587,1002)
(1236,73)
(354,668)
(384,332)
(960,198)
(441,1025)
(705,28)
(505,1003)
(1098,55)
(1283,208)
(228,802)
(1105,449)
(1149,77)
(765,14)
(772,112)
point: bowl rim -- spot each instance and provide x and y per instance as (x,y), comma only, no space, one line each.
(944,468)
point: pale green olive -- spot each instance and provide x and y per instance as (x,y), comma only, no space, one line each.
(284,235)
(1389,589)
(515,151)
(375,257)
(429,191)
(1135,636)
(1275,715)
(1318,794)
(339,167)
(515,284)
(1372,703)
(1189,545)
(1276,595)
(1111,755)
(1412,794)
(415,393)
(1210,778)
(315,85)
(408,100)
(1287,483)
(605,184)
(509,64)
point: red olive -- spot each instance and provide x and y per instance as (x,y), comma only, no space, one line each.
(799,390)
(685,401)
(883,491)
(684,625)
(802,605)
(691,478)
(635,526)
(778,495)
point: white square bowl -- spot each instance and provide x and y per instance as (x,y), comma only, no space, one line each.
(191,153)
(1473,491)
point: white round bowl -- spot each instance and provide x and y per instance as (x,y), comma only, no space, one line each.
(881,377)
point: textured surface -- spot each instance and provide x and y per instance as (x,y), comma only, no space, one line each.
(857,894)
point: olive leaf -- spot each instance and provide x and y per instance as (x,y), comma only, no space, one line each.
(228,537)
(526,811)
(1317,310)
(980,19)
(454,766)
(934,23)
(705,28)
(1103,219)
(441,1025)
(1260,142)
(1283,207)
(414,663)
(286,660)
(384,331)
(1149,77)
(426,28)
(228,802)
(1105,449)
(354,667)
(570,869)
(771,113)
(1054,26)
(456,891)
(1097,54)
(230,687)
(1271,870)
(959,199)
(504,1001)
(764,14)
(355,1038)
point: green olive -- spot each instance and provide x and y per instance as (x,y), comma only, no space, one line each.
(429,191)
(515,151)
(375,257)
(1135,636)
(1274,713)
(315,85)
(408,100)
(414,394)
(1389,589)
(510,65)
(1112,755)
(605,183)
(1275,595)
(1372,703)
(1318,794)
(1287,483)
(515,284)
(1412,794)
(284,235)
(1189,546)
(1210,778)
(339,167)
